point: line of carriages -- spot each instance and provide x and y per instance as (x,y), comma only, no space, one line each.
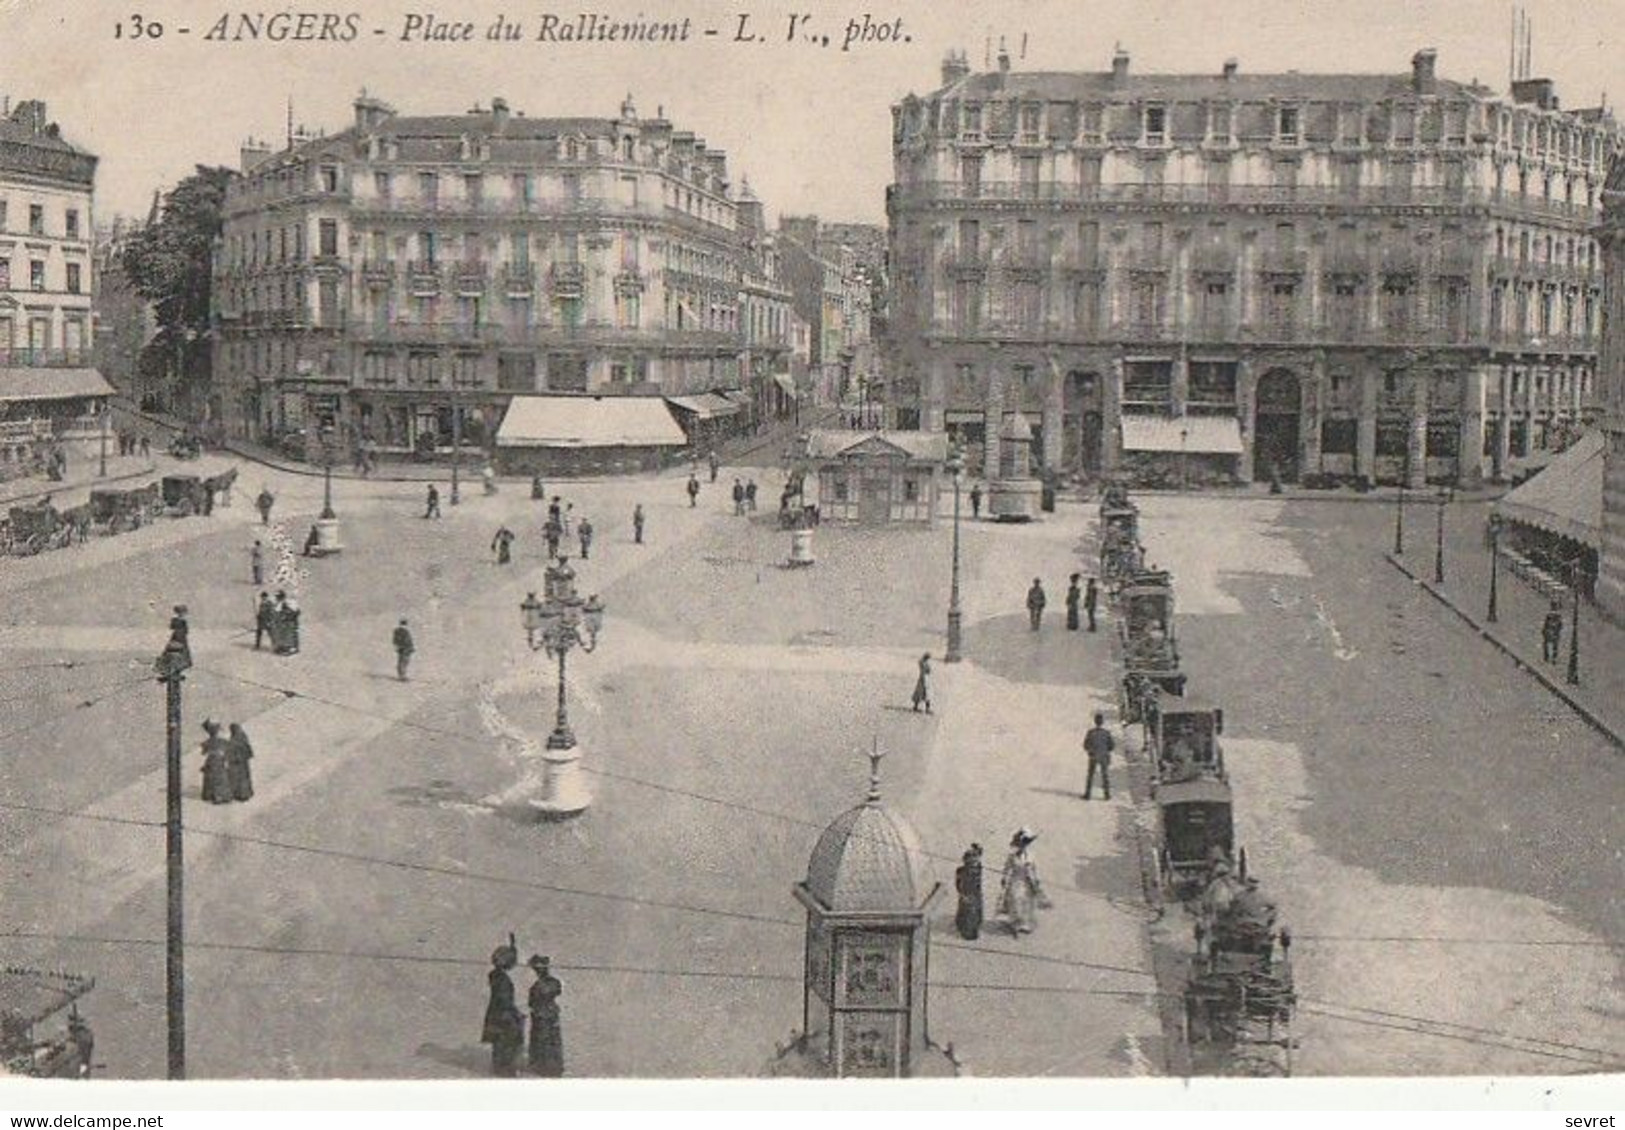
(1238,991)
(38,527)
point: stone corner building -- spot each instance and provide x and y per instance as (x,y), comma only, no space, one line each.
(1365,277)
(1611,572)
(410,269)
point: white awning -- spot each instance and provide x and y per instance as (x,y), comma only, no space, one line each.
(589,421)
(1193,435)
(51,384)
(786,382)
(705,405)
(1565,498)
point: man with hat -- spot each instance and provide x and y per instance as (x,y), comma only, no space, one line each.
(1098,744)
(546,1041)
(968,885)
(404,647)
(504,1026)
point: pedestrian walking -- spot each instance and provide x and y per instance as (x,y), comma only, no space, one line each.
(739,498)
(637,524)
(239,752)
(567,521)
(1098,744)
(146,447)
(584,532)
(968,885)
(1021,895)
(504,1027)
(922,685)
(750,495)
(546,1039)
(404,647)
(711,458)
(694,491)
(552,534)
(1036,600)
(263,613)
(256,563)
(502,545)
(264,502)
(216,772)
(1091,599)
(1074,599)
(976,500)
(1551,633)
(431,507)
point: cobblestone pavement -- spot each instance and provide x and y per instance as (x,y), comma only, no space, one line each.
(338,924)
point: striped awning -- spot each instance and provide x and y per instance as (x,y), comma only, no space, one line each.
(1193,435)
(1566,497)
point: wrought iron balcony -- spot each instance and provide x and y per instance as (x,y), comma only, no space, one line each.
(423,276)
(567,280)
(470,278)
(518,279)
(378,272)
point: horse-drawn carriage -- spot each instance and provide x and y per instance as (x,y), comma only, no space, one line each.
(184,495)
(116,511)
(35,529)
(186,445)
(28,999)
(1182,740)
(1197,831)
(1239,997)
(220,485)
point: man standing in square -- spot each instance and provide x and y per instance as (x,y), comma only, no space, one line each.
(1098,743)
(404,648)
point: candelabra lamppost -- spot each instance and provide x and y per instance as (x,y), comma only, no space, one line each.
(1399,520)
(557,623)
(1492,613)
(1445,497)
(956,468)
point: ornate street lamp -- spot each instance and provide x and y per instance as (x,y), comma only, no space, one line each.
(327,526)
(1399,513)
(559,622)
(1573,678)
(1445,496)
(956,468)
(1492,613)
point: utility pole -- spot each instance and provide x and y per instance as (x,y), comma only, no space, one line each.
(171,668)
(456,440)
(1573,673)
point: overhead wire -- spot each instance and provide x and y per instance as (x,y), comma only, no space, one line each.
(56,716)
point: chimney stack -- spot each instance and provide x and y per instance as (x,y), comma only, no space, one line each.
(499,112)
(1230,67)
(1004,58)
(1119,65)
(1424,79)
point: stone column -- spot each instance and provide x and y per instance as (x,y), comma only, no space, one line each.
(1111,415)
(1246,394)
(1365,456)
(1416,442)
(1503,427)
(994,409)
(1470,462)
(1181,382)
(1052,418)
(1314,395)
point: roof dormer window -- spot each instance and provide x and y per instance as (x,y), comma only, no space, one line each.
(1287,125)
(970,122)
(1156,125)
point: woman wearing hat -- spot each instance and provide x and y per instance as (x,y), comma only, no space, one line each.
(216,765)
(1021,895)
(922,685)
(968,884)
(546,1041)
(504,1026)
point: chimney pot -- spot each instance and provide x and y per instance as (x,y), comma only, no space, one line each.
(1119,65)
(1423,70)
(1230,67)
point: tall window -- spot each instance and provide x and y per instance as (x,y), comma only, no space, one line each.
(36,219)
(519,249)
(36,275)
(474,189)
(383,185)
(328,237)
(969,239)
(428,247)
(74,279)
(1286,125)
(1031,117)
(1156,125)
(72,223)
(1029,170)
(970,175)
(330,178)
(429,188)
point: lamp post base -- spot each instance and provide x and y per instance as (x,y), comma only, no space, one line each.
(327,537)
(955,638)
(564,784)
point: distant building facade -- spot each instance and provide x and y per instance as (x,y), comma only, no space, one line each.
(832,271)
(124,321)
(1377,277)
(765,312)
(410,270)
(50,392)
(1611,566)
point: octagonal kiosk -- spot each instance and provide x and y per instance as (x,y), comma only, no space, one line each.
(867,892)
(1014,494)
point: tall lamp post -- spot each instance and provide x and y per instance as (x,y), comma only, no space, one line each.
(170,667)
(1573,677)
(327,526)
(956,468)
(1492,614)
(558,623)
(1399,513)
(1438,554)
(102,473)
(456,443)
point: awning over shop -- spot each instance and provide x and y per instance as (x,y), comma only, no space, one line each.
(737,396)
(787,383)
(52,384)
(704,405)
(1565,498)
(1193,435)
(589,421)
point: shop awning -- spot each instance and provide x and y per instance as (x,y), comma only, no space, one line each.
(52,384)
(704,405)
(1565,498)
(786,382)
(589,421)
(737,396)
(1193,435)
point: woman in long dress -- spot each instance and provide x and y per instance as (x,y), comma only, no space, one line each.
(216,767)
(1021,895)
(546,1039)
(238,754)
(922,685)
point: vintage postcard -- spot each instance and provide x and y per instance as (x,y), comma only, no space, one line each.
(684,540)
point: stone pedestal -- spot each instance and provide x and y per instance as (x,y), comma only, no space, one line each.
(564,785)
(801,550)
(327,537)
(1014,500)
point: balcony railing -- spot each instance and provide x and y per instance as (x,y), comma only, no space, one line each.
(423,277)
(470,278)
(567,280)
(26,358)
(518,280)
(378,272)
(404,333)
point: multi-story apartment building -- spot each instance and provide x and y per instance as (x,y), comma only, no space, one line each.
(124,320)
(1373,276)
(411,268)
(831,269)
(1611,375)
(50,392)
(764,313)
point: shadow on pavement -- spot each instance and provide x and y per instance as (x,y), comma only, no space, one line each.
(472,1058)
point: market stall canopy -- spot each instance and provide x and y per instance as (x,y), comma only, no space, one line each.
(1565,498)
(589,421)
(1193,435)
(705,405)
(52,384)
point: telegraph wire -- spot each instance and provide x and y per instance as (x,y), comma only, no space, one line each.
(56,716)
(1438,939)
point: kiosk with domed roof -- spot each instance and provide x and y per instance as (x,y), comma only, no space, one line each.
(867,891)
